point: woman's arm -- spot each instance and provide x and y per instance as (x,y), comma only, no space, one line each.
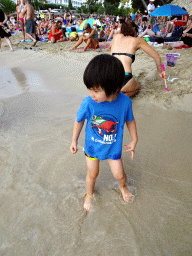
(187,34)
(5,20)
(152,53)
(17,13)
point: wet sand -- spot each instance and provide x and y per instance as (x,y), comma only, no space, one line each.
(43,184)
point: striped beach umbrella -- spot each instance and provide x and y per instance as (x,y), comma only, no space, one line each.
(90,21)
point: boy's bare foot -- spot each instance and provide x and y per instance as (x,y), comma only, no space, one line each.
(125,194)
(87,203)
(73,48)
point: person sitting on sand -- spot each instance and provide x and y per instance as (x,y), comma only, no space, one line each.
(106,111)
(73,35)
(56,34)
(43,26)
(113,32)
(183,21)
(30,24)
(91,40)
(168,31)
(186,38)
(3,32)
(124,47)
(104,33)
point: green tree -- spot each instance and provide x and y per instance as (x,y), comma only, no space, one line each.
(111,4)
(79,10)
(70,6)
(84,9)
(101,10)
(8,6)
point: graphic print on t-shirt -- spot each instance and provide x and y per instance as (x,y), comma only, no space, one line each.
(105,127)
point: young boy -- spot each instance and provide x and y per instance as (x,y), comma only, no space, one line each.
(106,111)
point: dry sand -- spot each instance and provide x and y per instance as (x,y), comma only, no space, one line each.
(144,68)
(43,184)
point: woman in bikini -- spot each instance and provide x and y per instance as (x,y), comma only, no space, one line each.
(20,16)
(124,46)
(91,40)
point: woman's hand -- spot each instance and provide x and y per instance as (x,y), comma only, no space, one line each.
(184,34)
(162,75)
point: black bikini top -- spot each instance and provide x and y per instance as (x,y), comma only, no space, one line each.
(132,56)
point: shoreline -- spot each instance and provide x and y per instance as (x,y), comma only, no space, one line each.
(66,65)
(144,68)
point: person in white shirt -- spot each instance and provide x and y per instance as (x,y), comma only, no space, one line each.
(150,9)
(98,22)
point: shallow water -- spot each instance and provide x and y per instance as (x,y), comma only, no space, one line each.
(42,184)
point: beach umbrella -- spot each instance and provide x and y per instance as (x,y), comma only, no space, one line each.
(90,21)
(169,10)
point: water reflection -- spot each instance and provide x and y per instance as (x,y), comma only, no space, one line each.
(20,77)
(16,81)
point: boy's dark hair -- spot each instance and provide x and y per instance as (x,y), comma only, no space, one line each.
(73,29)
(105,71)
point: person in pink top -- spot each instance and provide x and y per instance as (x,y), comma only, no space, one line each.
(20,16)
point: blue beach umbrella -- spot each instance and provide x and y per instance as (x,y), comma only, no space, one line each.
(169,10)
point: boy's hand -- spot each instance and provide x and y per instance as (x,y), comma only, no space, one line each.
(131,147)
(73,147)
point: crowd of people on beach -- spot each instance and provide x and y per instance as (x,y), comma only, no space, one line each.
(64,27)
(125,34)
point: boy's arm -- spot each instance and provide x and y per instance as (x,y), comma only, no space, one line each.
(133,133)
(76,132)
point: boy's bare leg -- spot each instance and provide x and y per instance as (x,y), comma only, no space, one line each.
(92,173)
(119,174)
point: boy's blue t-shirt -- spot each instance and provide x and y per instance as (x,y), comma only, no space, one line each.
(105,124)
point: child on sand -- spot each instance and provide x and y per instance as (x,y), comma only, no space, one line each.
(73,35)
(106,111)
